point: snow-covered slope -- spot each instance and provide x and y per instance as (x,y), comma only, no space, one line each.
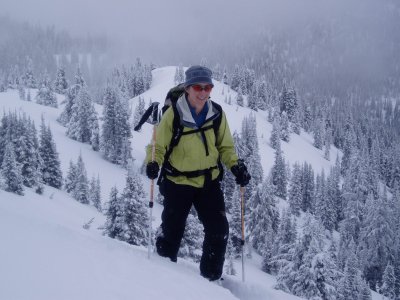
(45,252)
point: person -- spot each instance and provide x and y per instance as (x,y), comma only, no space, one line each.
(194,179)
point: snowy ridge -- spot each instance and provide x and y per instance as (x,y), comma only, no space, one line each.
(46,250)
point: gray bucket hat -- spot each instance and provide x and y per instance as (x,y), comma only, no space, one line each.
(198,74)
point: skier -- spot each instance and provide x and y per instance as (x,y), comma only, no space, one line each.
(192,172)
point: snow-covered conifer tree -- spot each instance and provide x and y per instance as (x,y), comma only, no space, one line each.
(11,172)
(114,139)
(235,224)
(83,116)
(308,187)
(115,222)
(70,99)
(95,192)
(45,94)
(319,133)
(28,78)
(50,168)
(388,282)
(376,239)
(284,242)
(288,102)
(239,98)
(275,133)
(134,215)
(279,176)
(81,186)
(60,83)
(295,190)
(284,126)
(70,179)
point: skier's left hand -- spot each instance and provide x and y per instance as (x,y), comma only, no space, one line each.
(152,169)
(240,171)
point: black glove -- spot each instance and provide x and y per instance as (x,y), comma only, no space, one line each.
(240,171)
(152,169)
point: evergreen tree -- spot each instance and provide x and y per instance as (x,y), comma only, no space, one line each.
(235,224)
(295,190)
(95,192)
(134,214)
(376,240)
(311,273)
(70,179)
(60,83)
(95,139)
(284,243)
(328,143)
(79,77)
(28,78)
(264,215)
(70,99)
(114,225)
(319,133)
(253,100)
(308,188)
(288,102)
(50,169)
(284,125)
(83,117)
(81,185)
(279,176)
(31,164)
(250,142)
(349,146)
(388,282)
(365,292)
(11,172)
(276,133)
(45,94)
(296,123)
(350,283)
(239,98)
(114,139)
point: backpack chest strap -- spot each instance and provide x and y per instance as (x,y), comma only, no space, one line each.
(203,136)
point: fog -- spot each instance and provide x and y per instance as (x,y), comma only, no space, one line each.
(170,29)
(322,44)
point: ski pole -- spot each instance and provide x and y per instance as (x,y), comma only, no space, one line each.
(151,201)
(242,219)
(153,112)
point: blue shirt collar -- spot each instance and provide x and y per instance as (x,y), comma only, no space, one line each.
(201,117)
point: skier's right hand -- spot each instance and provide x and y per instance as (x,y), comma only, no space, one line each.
(152,169)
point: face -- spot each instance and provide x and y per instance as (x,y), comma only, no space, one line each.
(198,94)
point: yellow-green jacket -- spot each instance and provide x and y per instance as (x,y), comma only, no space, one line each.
(190,153)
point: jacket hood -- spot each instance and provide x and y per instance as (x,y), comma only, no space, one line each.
(186,116)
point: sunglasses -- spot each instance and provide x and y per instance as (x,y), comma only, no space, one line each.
(198,88)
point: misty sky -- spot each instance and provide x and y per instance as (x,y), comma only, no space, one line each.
(165,18)
(186,24)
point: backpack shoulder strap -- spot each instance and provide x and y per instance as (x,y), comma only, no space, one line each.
(217,121)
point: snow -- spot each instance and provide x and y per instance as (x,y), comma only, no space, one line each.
(46,253)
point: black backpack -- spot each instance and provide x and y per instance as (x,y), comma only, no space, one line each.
(167,169)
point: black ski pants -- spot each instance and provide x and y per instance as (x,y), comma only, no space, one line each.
(210,206)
